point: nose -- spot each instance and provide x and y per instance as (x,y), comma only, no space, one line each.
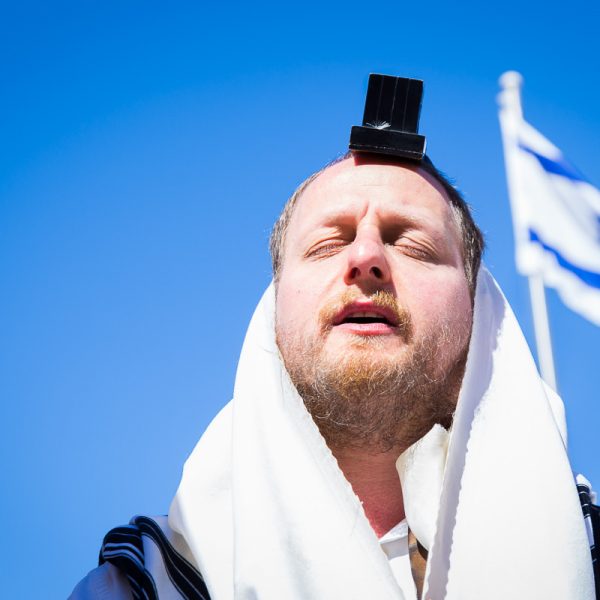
(367,260)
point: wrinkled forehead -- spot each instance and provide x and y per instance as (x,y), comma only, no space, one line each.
(395,186)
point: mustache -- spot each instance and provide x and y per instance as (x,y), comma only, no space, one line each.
(380,298)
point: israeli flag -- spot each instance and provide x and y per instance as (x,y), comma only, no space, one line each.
(556,211)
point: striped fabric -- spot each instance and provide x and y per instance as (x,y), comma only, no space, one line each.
(591,514)
(152,566)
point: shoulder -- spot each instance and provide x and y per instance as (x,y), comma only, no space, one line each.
(105,582)
(144,559)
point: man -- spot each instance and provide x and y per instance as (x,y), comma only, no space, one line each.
(373,316)
(332,473)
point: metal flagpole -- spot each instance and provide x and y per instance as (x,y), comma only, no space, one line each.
(541,326)
(511,83)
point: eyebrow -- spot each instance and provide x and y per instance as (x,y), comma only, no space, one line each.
(334,216)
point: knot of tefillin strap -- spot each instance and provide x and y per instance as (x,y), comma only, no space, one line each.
(391,118)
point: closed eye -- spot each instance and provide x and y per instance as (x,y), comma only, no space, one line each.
(417,251)
(324,249)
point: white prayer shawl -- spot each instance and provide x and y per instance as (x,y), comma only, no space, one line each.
(268,515)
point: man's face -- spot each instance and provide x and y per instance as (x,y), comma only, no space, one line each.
(372,300)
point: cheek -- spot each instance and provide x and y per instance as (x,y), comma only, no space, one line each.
(297,302)
(442,302)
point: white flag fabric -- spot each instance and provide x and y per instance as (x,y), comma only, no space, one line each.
(556,213)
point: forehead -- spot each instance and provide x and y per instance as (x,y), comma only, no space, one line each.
(357,186)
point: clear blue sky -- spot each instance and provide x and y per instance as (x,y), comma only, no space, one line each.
(145,152)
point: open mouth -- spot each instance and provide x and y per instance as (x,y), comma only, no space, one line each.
(364,318)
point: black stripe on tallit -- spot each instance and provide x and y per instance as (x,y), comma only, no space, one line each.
(184,576)
(123,548)
(591,513)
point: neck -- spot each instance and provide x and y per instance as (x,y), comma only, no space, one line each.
(375,481)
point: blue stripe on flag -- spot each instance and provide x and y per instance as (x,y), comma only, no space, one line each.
(556,167)
(591,278)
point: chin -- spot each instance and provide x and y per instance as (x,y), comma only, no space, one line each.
(368,350)
(368,343)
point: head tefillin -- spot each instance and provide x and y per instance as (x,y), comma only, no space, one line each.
(391,118)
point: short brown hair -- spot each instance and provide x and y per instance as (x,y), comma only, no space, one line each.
(472,238)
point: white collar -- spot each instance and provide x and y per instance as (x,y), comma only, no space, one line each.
(397,532)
